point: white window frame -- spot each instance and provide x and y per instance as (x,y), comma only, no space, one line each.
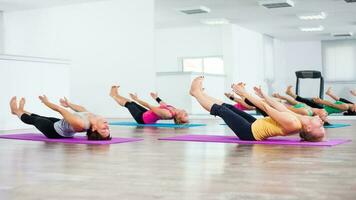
(202,64)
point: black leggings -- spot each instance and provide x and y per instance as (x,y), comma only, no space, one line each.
(257,109)
(136,111)
(349,112)
(239,121)
(309,102)
(43,124)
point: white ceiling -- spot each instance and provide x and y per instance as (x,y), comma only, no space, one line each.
(12,5)
(280,22)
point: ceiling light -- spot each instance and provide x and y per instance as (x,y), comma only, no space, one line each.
(215,21)
(311,29)
(196,10)
(348,34)
(312,16)
(276,3)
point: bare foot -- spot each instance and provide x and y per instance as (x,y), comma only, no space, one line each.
(196,86)
(276,95)
(329,91)
(13,105)
(22,104)
(353,92)
(114,91)
(289,91)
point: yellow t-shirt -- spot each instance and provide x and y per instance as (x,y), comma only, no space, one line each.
(266,127)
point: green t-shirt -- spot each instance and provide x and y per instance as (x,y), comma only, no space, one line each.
(331,110)
(302,105)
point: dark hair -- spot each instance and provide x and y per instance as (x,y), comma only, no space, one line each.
(308,137)
(95,135)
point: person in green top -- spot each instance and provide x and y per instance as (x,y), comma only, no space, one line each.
(330,107)
(302,108)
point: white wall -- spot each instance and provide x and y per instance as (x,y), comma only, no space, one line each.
(1,33)
(244,56)
(175,43)
(303,55)
(109,42)
(29,78)
(294,56)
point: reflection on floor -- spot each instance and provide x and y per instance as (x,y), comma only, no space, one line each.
(153,169)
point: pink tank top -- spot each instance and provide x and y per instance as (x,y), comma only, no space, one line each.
(149,117)
(240,106)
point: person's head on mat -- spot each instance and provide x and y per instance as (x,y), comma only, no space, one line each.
(312,129)
(80,121)
(279,120)
(99,129)
(181,117)
(145,113)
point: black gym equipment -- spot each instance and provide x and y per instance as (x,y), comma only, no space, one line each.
(310,74)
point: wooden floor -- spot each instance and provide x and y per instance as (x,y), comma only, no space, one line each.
(153,169)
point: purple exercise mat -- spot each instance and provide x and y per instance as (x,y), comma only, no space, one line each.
(234,139)
(75,140)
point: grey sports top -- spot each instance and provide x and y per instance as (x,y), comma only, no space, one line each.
(64,129)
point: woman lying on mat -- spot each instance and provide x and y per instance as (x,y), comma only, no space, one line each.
(240,102)
(81,121)
(352,106)
(153,113)
(329,107)
(281,122)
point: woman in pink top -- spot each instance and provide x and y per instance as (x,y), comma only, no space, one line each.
(240,103)
(149,114)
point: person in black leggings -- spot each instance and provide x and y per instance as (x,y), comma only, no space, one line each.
(352,107)
(281,121)
(147,113)
(80,121)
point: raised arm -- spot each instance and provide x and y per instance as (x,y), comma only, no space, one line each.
(270,101)
(154,95)
(77,108)
(342,107)
(283,118)
(163,113)
(73,120)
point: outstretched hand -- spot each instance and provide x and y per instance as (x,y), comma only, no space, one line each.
(239,88)
(229,95)
(154,95)
(258,91)
(43,99)
(64,102)
(133,96)
(317,100)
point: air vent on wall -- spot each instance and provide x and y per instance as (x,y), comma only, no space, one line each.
(193,11)
(276,3)
(350,1)
(349,34)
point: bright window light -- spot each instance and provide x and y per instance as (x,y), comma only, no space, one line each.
(193,65)
(209,65)
(213,65)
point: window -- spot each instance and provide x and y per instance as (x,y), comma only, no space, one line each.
(339,60)
(209,65)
